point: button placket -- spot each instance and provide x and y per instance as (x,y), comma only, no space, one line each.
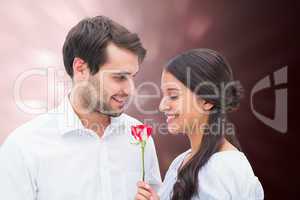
(104,170)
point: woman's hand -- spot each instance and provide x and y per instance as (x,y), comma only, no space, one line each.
(145,192)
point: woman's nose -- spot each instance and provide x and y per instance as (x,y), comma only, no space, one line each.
(163,106)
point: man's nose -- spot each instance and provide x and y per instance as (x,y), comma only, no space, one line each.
(128,88)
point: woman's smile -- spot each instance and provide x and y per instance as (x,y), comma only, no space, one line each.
(171,117)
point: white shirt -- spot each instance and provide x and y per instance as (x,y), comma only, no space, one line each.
(226,176)
(53,157)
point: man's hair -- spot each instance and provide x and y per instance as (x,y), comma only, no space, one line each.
(89,38)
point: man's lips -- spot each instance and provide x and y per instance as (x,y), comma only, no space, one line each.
(120,100)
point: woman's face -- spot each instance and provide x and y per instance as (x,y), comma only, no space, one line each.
(185,112)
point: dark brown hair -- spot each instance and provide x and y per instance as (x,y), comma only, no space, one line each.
(89,38)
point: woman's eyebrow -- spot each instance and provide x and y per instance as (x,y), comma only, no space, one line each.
(171,89)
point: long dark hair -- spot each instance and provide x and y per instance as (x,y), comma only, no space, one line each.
(192,68)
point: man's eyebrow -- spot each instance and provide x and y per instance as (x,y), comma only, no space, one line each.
(121,73)
(124,73)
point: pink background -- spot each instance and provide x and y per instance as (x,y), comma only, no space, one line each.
(257,37)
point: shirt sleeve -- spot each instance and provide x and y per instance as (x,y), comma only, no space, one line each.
(152,175)
(15,179)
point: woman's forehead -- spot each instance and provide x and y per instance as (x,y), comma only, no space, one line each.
(170,83)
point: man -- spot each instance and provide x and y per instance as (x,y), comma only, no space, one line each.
(82,149)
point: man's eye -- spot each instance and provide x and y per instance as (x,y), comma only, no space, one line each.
(121,78)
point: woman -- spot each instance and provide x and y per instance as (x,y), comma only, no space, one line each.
(198,91)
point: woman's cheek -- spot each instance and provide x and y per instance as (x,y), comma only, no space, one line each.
(175,126)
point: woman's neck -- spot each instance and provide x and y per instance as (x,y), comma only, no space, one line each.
(195,139)
(195,135)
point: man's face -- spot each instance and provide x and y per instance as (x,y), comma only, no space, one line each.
(113,84)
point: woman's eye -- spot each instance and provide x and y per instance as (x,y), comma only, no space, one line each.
(173,97)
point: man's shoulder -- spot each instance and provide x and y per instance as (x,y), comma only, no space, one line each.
(31,129)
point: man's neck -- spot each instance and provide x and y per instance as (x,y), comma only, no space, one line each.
(92,120)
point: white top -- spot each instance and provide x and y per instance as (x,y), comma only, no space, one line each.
(53,157)
(226,175)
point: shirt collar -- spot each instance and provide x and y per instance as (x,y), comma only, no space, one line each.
(70,122)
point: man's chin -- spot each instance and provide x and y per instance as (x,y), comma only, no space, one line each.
(112,113)
(116,114)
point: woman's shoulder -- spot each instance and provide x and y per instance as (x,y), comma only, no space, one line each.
(230,160)
(178,160)
(175,164)
(230,172)
(171,174)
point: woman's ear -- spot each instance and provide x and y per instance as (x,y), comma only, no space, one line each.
(204,105)
(207,106)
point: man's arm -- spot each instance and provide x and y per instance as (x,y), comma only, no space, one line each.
(15,179)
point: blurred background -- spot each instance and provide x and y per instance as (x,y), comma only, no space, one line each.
(257,37)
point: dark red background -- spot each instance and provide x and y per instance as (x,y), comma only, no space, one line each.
(257,37)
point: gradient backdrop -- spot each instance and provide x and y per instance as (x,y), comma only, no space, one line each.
(257,37)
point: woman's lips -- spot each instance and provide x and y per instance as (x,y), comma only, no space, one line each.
(171,117)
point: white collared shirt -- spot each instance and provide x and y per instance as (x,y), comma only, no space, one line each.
(53,157)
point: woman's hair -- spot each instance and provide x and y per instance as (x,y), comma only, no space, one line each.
(209,76)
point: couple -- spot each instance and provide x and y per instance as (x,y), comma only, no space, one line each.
(82,150)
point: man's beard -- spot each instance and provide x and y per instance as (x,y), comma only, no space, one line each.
(94,104)
(105,109)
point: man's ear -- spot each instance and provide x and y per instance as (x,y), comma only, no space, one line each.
(81,70)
